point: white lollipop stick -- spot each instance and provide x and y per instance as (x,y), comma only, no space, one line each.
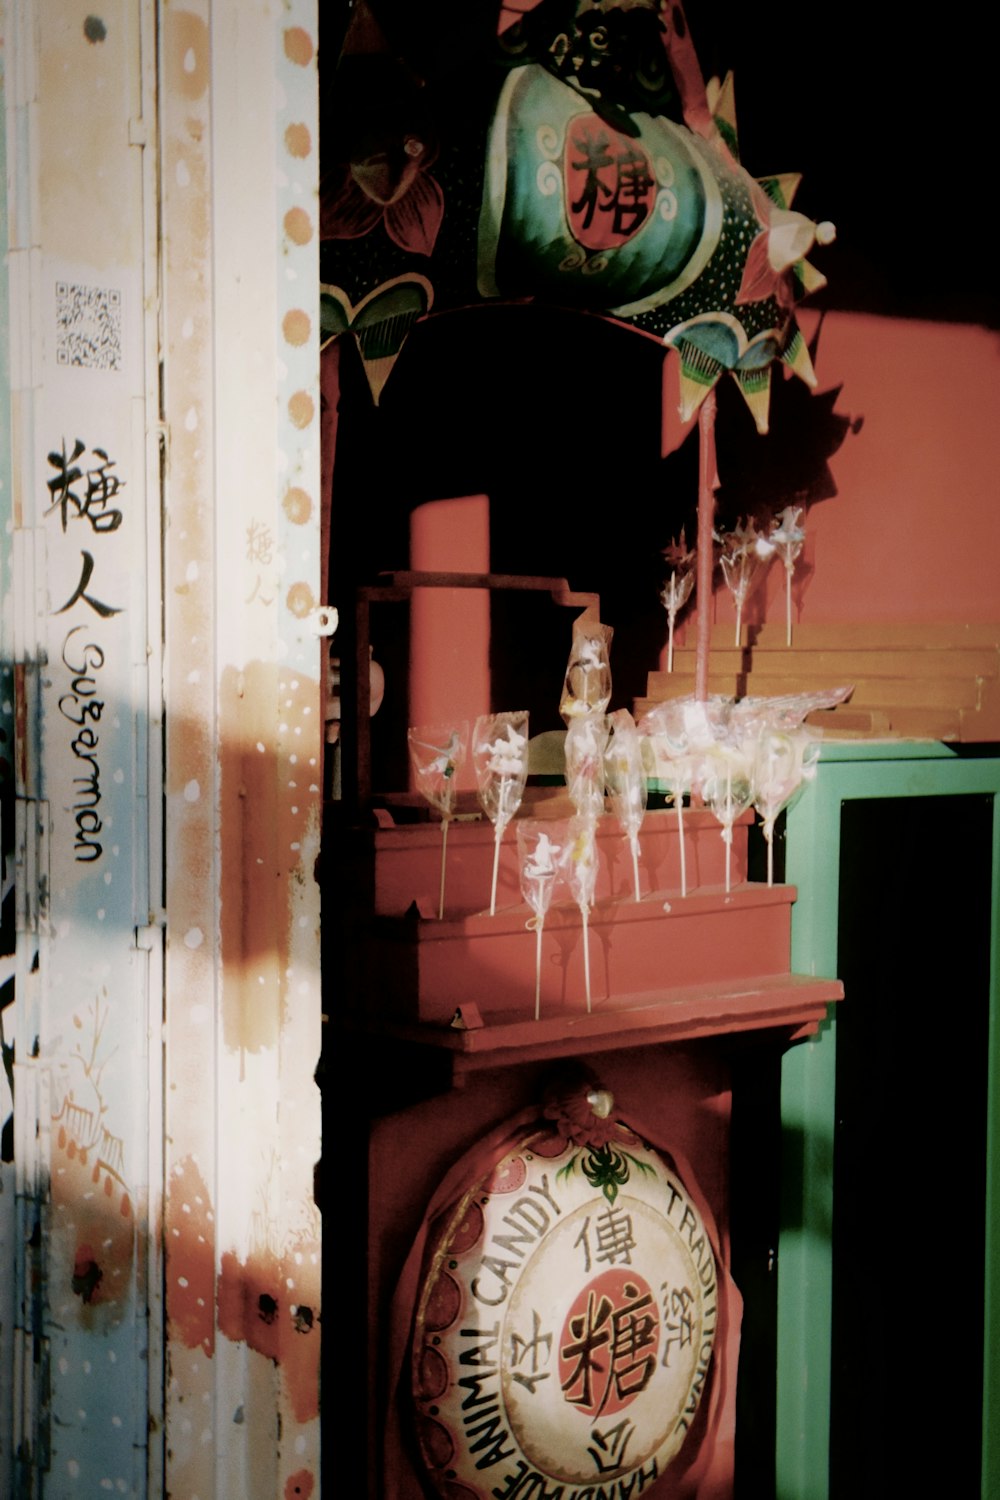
(679,798)
(444,848)
(586,954)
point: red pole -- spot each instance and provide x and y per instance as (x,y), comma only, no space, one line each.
(708,481)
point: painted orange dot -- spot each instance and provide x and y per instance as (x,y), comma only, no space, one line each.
(301,408)
(298,141)
(298,46)
(299,1486)
(300,600)
(297,505)
(298,226)
(296,326)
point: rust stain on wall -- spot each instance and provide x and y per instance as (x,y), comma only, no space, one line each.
(265,804)
(189,1228)
(186,53)
(272,1304)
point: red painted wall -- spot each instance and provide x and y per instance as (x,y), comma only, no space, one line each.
(913,533)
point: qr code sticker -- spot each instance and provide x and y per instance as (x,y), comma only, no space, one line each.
(88,326)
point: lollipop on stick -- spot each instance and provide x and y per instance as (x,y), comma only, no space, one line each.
(500,757)
(787,538)
(677,590)
(625,778)
(725,787)
(740,559)
(586,738)
(538,858)
(437,751)
(782,760)
(581,874)
(587,684)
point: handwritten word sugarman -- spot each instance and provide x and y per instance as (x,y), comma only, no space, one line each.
(81,707)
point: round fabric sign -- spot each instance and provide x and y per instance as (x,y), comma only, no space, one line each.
(564,1325)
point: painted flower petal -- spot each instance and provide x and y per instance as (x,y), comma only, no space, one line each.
(346,213)
(413,222)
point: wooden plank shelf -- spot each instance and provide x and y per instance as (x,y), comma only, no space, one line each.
(935,681)
(794,1003)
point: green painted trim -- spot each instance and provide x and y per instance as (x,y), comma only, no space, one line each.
(850,771)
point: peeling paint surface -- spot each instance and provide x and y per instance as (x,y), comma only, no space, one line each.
(142,1369)
(243,1294)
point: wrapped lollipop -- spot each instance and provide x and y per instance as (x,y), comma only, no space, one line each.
(677,732)
(587,684)
(500,757)
(539,857)
(580,868)
(724,782)
(437,751)
(743,552)
(782,760)
(625,779)
(788,538)
(677,589)
(586,739)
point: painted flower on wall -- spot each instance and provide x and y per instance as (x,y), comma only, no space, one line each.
(391,186)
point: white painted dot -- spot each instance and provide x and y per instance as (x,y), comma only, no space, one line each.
(261,746)
(190,61)
(293,760)
(106,1484)
(206,1436)
(183,175)
(107,877)
(303,921)
(112,1357)
(306,709)
(118,777)
(295,683)
(191,419)
(312,760)
(191,572)
(182,1281)
(194,937)
(282,728)
(194,676)
(87,1367)
(298,729)
(101,913)
(313,787)
(293,783)
(73,1469)
(116,1421)
(192,792)
(198,1015)
(81,1415)
(294,809)
(300,1443)
(187,328)
(295,845)
(63,1365)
